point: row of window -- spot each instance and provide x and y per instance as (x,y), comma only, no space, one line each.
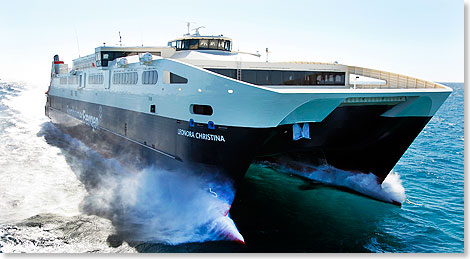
(280,77)
(96,79)
(149,77)
(258,77)
(71,80)
(202,44)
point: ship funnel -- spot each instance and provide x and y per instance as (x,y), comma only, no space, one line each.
(58,67)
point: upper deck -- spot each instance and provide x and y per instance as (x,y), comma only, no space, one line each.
(214,53)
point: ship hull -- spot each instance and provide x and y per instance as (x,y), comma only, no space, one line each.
(354,138)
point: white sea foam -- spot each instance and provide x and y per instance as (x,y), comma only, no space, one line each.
(34,176)
(391,190)
(163,206)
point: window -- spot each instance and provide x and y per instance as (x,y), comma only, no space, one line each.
(220,45)
(185,44)
(108,56)
(278,77)
(213,44)
(339,79)
(96,79)
(249,76)
(72,80)
(201,109)
(228,45)
(129,78)
(176,79)
(263,77)
(149,77)
(232,73)
(204,44)
(193,44)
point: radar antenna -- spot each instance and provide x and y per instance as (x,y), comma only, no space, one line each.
(267,52)
(196,33)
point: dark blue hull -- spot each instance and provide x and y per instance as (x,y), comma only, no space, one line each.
(355,138)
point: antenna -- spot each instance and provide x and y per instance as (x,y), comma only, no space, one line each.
(120,39)
(76,37)
(188,24)
(197,30)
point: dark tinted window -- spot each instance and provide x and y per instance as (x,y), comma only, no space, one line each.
(107,56)
(279,77)
(201,109)
(193,44)
(232,73)
(249,76)
(203,44)
(176,79)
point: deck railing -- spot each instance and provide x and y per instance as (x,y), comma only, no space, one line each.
(392,80)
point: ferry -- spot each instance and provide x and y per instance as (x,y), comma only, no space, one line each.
(197,104)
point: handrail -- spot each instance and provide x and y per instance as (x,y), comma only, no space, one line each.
(392,80)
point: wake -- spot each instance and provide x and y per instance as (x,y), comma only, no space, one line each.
(390,190)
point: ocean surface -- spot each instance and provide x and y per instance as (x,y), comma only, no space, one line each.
(58,195)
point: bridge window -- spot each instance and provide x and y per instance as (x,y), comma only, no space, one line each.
(213,44)
(193,44)
(202,44)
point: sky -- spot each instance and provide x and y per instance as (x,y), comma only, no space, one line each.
(419,38)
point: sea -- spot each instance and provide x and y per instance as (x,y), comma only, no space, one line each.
(58,195)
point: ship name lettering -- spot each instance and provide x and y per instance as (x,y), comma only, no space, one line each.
(199,135)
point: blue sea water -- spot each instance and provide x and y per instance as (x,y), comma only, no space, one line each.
(289,217)
(48,185)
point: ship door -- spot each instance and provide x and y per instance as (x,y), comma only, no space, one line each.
(80,82)
(84,80)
